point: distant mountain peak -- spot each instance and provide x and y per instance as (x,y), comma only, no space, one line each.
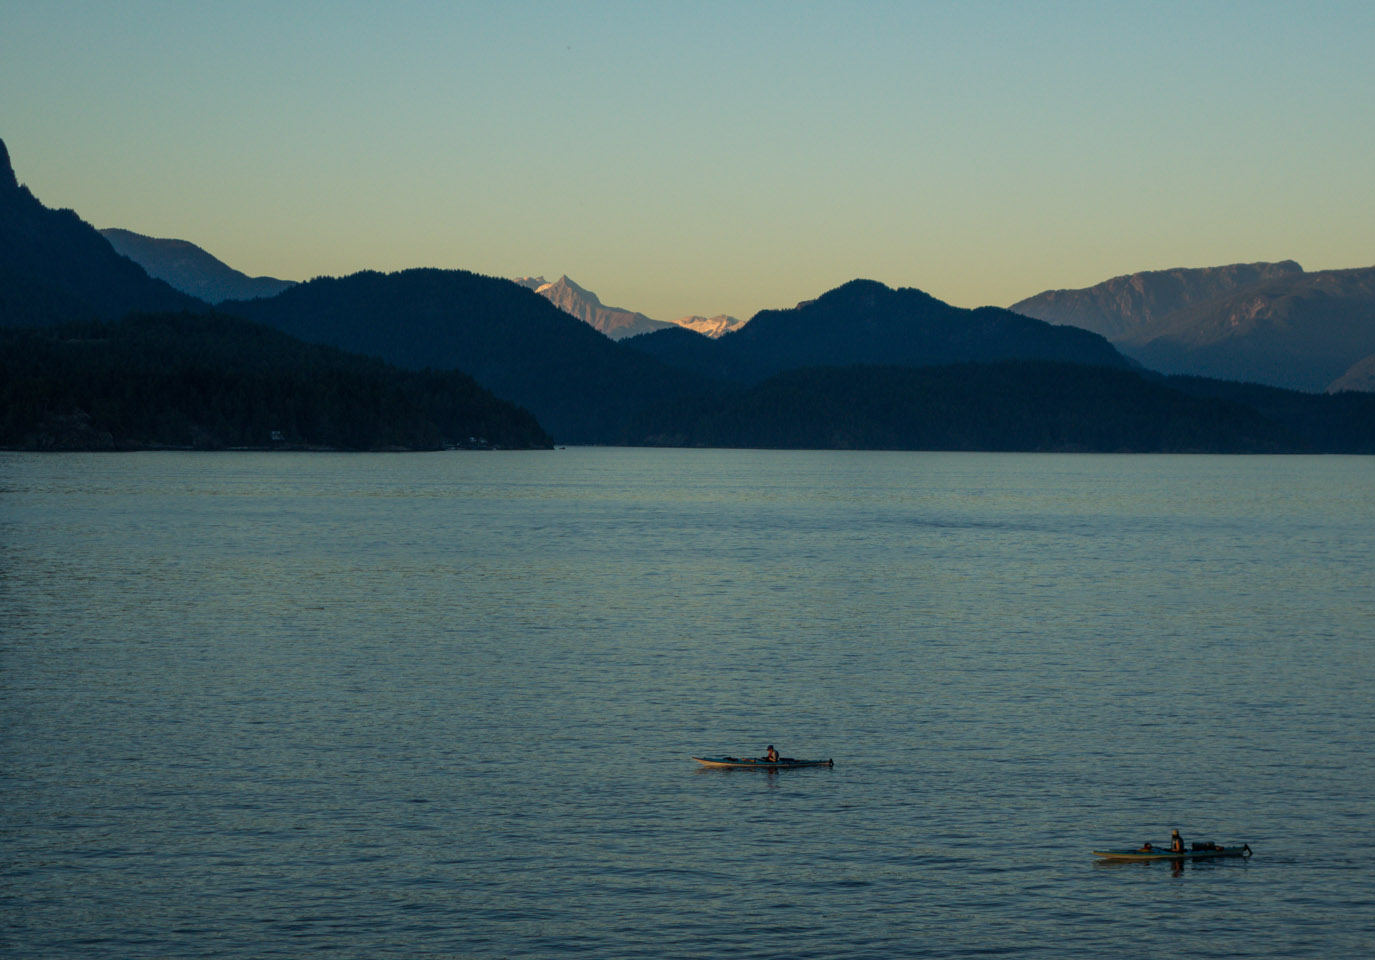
(714,327)
(565,283)
(868,295)
(859,287)
(865,322)
(572,298)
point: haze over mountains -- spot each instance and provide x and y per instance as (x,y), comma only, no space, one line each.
(860,366)
(1268,323)
(190,269)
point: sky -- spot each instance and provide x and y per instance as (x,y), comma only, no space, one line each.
(702,157)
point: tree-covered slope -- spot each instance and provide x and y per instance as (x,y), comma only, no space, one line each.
(580,384)
(56,268)
(1006,406)
(182,380)
(864,322)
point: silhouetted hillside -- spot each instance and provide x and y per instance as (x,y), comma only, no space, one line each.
(56,268)
(190,269)
(1319,423)
(864,322)
(687,350)
(1007,406)
(180,380)
(578,383)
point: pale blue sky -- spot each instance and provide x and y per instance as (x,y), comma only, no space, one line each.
(708,158)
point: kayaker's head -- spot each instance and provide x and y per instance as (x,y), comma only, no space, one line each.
(1174,833)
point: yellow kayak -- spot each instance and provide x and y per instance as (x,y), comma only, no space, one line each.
(1200,851)
(761,763)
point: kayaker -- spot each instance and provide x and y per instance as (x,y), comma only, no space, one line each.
(1146,847)
(1176,842)
(772,755)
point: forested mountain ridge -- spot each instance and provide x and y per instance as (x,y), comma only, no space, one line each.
(191,269)
(56,268)
(579,383)
(866,322)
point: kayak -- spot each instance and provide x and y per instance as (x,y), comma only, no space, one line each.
(1164,853)
(761,763)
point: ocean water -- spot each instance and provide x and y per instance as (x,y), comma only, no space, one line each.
(443,705)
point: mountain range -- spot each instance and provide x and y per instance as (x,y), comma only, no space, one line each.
(577,382)
(860,366)
(195,271)
(96,354)
(616,322)
(1270,323)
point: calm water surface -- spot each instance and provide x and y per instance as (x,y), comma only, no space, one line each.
(442,705)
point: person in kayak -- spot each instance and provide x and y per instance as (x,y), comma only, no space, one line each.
(772,755)
(1176,842)
(1146,847)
